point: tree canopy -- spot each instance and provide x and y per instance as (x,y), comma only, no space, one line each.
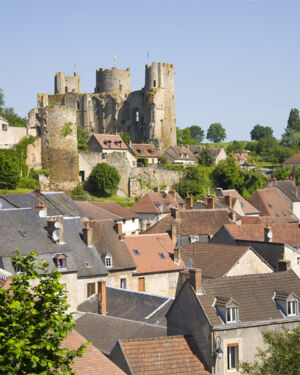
(216,133)
(291,136)
(103,180)
(261,132)
(184,137)
(281,356)
(34,322)
(195,182)
(9,170)
(205,157)
(197,133)
(9,114)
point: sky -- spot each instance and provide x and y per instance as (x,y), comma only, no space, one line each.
(236,62)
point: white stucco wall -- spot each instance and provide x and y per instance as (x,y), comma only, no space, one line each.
(11,136)
(131,226)
(296,209)
(292,255)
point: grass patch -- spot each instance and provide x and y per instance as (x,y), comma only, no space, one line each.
(16,191)
(125,202)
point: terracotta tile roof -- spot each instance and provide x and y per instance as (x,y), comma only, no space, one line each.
(294,159)
(282,233)
(246,206)
(253,294)
(144,150)
(177,152)
(270,203)
(174,355)
(192,222)
(215,260)
(92,362)
(243,156)
(116,142)
(155,253)
(151,202)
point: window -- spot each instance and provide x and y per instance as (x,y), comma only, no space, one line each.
(66,89)
(61,263)
(123,283)
(4,127)
(78,105)
(133,219)
(120,87)
(232,357)
(298,261)
(137,116)
(292,308)
(90,289)
(108,261)
(154,83)
(231,314)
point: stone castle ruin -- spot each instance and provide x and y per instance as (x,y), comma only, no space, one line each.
(146,115)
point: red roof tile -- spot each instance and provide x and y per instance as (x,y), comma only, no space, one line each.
(294,159)
(174,355)
(151,202)
(116,142)
(144,150)
(246,206)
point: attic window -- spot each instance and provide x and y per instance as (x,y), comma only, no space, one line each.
(24,233)
(108,261)
(162,255)
(136,252)
(292,309)
(60,261)
(231,314)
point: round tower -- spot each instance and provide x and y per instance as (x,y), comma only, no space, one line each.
(113,80)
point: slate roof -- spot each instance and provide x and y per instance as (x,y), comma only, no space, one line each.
(174,355)
(144,150)
(132,305)
(151,201)
(113,138)
(176,152)
(287,187)
(192,222)
(155,253)
(215,260)
(294,159)
(246,206)
(106,240)
(80,258)
(269,203)
(92,362)
(93,212)
(253,294)
(104,331)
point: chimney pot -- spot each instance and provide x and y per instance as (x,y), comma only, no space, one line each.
(196,278)
(102,297)
(177,254)
(188,202)
(87,233)
(37,193)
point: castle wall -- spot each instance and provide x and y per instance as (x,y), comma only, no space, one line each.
(58,146)
(34,157)
(64,84)
(113,80)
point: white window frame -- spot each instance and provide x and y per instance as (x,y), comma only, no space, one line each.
(123,282)
(233,357)
(232,314)
(292,308)
(108,261)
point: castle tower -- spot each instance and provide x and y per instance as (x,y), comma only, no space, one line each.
(160,96)
(64,84)
(113,80)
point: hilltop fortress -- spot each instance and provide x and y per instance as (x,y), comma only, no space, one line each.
(146,115)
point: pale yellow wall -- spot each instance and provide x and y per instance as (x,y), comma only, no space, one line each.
(70,281)
(249,264)
(292,256)
(82,287)
(158,284)
(114,279)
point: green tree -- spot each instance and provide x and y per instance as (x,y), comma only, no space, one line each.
(83,137)
(294,120)
(103,180)
(34,322)
(253,180)
(205,157)
(291,136)
(235,146)
(9,114)
(184,137)
(228,174)
(197,133)
(216,133)
(9,170)
(195,182)
(125,137)
(282,173)
(261,132)
(281,356)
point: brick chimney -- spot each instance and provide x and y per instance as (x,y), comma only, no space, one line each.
(148,224)
(174,233)
(175,212)
(177,254)
(87,232)
(188,202)
(232,216)
(228,200)
(284,264)
(41,209)
(119,228)
(268,234)
(196,278)
(211,203)
(102,297)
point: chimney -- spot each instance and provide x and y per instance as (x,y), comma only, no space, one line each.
(119,229)
(211,203)
(176,254)
(188,202)
(172,193)
(37,193)
(196,278)
(228,200)
(87,232)
(284,264)
(102,297)
(174,233)
(233,216)
(175,212)
(41,209)
(148,225)
(268,234)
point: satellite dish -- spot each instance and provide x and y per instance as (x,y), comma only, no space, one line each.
(56,235)
(57,224)
(270,234)
(42,213)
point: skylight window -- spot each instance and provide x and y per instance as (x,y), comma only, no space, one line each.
(24,233)
(162,255)
(136,252)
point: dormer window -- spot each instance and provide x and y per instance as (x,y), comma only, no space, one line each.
(231,314)
(287,303)
(292,308)
(108,261)
(60,261)
(227,309)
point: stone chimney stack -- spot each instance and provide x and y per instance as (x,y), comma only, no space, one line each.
(177,254)
(87,232)
(119,228)
(268,234)
(196,278)
(228,200)
(102,297)
(41,209)
(188,202)
(211,203)
(174,233)
(284,264)
(175,212)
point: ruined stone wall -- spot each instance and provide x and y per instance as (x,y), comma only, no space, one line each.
(113,80)
(34,156)
(64,84)
(59,145)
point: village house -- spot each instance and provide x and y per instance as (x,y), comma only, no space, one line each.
(247,208)
(10,136)
(243,160)
(293,161)
(180,155)
(217,153)
(227,315)
(145,151)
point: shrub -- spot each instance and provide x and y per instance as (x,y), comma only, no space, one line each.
(28,183)
(78,193)
(103,180)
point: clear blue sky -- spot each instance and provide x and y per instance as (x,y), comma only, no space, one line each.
(237,62)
